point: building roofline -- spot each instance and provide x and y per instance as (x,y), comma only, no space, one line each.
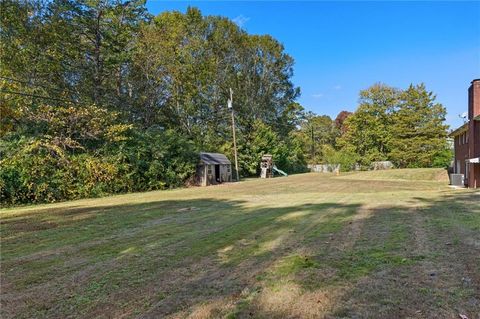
(459,130)
(214,158)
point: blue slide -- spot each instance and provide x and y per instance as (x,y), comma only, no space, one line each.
(279,171)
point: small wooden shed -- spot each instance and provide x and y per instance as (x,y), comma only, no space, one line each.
(213,168)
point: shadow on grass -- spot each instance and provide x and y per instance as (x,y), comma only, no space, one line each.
(213,258)
(158,256)
(438,275)
(420,260)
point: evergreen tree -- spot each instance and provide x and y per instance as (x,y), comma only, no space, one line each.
(419,135)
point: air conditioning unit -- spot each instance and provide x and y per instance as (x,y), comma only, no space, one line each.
(457,180)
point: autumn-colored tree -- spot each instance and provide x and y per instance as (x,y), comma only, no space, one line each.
(340,120)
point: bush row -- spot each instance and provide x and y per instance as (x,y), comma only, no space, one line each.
(33,171)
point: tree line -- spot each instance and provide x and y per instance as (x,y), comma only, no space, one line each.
(404,126)
(101,97)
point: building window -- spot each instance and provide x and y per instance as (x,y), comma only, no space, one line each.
(209,169)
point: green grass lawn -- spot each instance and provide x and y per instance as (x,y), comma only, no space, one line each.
(389,244)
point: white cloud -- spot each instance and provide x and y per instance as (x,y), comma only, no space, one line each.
(337,87)
(317,95)
(241,20)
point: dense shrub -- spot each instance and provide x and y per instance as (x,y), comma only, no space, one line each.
(154,159)
(37,172)
(40,171)
(345,158)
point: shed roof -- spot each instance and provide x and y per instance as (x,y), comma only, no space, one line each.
(214,158)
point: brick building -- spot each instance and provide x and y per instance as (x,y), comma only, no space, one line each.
(467,140)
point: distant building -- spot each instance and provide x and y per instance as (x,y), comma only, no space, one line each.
(213,168)
(467,140)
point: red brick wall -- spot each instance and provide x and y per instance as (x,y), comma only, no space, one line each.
(474,99)
(470,149)
(461,154)
(474,132)
(474,136)
(474,151)
(474,176)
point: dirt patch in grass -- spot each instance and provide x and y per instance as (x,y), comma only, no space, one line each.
(30,226)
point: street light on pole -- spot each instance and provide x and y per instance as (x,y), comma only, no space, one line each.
(230,106)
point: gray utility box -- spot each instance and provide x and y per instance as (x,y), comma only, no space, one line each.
(457,180)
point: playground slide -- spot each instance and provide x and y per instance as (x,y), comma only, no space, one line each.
(279,171)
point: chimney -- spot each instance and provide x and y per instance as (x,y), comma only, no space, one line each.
(474,99)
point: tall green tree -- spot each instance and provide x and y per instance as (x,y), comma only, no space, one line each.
(419,134)
(185,66)
(105,33)
(23,36)
(315,132)
(88,86)
(368,130)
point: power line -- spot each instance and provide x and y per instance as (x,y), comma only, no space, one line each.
(34,84)
(37,96)
(220,113)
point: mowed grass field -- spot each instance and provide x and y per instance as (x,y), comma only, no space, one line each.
(389,244)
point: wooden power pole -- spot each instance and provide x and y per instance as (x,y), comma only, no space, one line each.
(230,106)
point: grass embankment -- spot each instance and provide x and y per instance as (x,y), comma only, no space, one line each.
(386,244)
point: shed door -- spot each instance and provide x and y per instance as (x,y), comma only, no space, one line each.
(217,174)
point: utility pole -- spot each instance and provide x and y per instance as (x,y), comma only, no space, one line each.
(230,106)
(313,144)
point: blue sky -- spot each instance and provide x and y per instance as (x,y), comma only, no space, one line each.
(342,47)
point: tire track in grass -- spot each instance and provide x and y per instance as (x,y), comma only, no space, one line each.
(454,287)
(251,267)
